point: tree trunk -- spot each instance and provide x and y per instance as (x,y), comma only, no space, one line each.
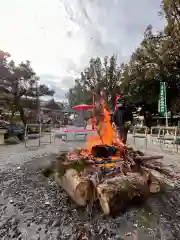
(22,115)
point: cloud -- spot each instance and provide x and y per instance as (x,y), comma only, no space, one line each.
(60,36)
(64,82)
(60,85)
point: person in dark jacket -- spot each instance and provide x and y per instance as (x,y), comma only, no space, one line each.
(148,119)
(123,118)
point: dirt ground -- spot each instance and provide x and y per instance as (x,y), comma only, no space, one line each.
(34,207)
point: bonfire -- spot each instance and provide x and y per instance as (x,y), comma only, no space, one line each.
(107,172)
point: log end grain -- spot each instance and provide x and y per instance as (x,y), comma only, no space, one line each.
(79,189)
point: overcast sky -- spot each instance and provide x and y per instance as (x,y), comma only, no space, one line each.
(60,36)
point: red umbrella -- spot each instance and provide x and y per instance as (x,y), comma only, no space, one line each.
(82,107)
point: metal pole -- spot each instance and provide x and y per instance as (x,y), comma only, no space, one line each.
(84,94)
(38,110)
(38,102)
(166,104)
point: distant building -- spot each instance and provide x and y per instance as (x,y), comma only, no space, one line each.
(52,109)
(51,105)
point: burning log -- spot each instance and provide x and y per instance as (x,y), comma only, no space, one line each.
(138,177)
(87,178)
(114,191)
(103,151)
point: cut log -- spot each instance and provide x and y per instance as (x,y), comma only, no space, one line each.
(161,178)
(147,158)
(159,167)
(154,183)
(114,194)
(78,188)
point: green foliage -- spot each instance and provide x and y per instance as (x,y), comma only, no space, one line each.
(98,76)
(19,86)
(156,59)
(79,94)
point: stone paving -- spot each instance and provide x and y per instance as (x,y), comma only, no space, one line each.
(19,154)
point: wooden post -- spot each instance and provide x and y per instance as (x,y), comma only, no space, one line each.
(93,114)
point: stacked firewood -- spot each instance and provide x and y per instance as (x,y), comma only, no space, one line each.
(133,178)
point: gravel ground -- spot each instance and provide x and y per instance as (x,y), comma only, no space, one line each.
(34,207)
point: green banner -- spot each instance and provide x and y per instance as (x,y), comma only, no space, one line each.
(162,99)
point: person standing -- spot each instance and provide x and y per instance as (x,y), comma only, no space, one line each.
(122,119)
(148,119)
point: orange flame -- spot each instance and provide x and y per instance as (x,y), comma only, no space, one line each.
(107,135)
